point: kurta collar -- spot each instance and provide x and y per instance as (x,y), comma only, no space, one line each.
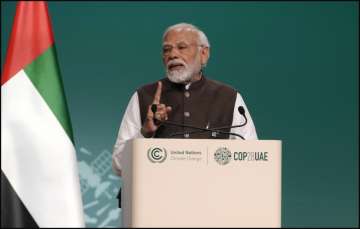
(192,86)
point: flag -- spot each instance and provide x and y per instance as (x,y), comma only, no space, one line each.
(40,184)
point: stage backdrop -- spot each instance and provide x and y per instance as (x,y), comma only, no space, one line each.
(295,64)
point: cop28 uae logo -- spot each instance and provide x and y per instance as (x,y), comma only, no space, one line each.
(222,156)
(157,155)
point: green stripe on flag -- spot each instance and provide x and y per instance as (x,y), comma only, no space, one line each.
(45,75)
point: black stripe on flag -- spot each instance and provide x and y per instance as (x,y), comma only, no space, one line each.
(13,211)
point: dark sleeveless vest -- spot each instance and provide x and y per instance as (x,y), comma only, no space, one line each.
(205,103)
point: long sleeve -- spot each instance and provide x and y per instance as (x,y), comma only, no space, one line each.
(248,131)
(129,129)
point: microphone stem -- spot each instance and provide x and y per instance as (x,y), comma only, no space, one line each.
(225,127)
(184,125)
(197,131)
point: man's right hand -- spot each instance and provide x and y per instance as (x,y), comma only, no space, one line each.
(149,128)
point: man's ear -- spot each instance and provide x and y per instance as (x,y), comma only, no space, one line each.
(205,54)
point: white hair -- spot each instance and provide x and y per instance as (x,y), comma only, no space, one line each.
(189,27)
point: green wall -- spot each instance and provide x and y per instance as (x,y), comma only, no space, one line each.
(295,64)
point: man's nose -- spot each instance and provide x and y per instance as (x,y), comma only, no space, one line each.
(173,57)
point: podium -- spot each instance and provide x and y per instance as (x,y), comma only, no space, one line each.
(201,183)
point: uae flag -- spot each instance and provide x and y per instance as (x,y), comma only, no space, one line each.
(39,176)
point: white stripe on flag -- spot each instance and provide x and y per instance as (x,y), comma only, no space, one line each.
(38,157)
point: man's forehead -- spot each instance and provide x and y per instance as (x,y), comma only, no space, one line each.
(180,35)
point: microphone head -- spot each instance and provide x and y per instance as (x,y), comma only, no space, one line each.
(241,110)
(153,108)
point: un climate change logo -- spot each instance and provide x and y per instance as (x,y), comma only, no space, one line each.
(157,155)
(222,156)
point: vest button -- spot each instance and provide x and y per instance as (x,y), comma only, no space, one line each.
(187,114)
(187,94)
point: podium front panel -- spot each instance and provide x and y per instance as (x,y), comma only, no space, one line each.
(202,183)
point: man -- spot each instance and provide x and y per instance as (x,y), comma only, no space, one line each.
(185,97)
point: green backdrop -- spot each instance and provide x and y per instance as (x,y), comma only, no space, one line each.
(295,64)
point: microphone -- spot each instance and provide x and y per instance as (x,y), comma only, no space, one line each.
(153,109)
(241,110)
(199,129)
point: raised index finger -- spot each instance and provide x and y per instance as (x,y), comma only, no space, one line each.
(158,93)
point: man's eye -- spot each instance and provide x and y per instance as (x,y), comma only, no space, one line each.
(166,49)
(182,47)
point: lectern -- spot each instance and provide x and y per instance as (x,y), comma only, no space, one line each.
(201,183)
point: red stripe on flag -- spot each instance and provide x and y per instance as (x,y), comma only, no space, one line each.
(31,35)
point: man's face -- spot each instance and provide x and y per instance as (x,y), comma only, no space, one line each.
(182,56)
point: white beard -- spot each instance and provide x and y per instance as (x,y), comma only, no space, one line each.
(182,75)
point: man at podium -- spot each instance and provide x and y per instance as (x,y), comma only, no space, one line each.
(184,104)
